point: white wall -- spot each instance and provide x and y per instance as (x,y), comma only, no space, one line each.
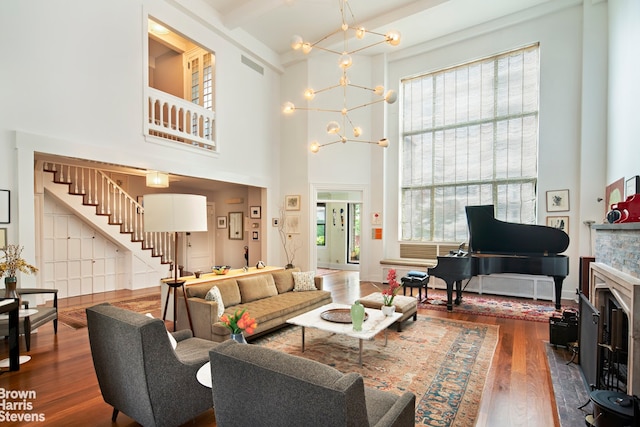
(74,86)
(624,90)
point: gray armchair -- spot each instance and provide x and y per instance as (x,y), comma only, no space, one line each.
(139,372)
(29,323)
(254,385)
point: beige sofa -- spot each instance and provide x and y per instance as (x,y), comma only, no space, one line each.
(268,297)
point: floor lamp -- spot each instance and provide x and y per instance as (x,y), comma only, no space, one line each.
(177,213)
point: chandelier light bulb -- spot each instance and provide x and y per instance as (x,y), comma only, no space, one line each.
(296,42)
(314,147)
(357,131)
(288,108)
(344,111)
(344,26)
(333,127)
(309,94)
(345,61)
(360,32)
(393,37)
(306,47)
(391,97)
(384,143)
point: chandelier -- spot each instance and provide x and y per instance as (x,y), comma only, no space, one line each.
(345,61)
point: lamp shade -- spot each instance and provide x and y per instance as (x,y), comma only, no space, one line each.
(175,212)
(157,179)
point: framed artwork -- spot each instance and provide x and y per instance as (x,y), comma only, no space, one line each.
(614,194)
(559,222)
(632,186)
(292,203)
(3,238)
(255,212)
(558,201)
(5,207)
(236,221)
(292,224)
(221,222)
(255,235)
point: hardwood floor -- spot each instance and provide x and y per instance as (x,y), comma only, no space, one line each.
(519,391)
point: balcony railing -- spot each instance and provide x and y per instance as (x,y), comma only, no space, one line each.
(178,120)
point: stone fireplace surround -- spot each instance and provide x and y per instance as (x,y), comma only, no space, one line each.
(616,273)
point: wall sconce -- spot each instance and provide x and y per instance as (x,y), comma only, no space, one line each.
(157,179)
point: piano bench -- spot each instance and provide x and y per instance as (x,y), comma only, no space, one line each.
(411,281)
(408,306)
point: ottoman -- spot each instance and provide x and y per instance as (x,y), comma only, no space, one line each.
(408,306)
(415,279)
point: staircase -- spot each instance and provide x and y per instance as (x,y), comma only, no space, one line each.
(94,196)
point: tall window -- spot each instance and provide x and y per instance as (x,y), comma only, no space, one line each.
(469,137)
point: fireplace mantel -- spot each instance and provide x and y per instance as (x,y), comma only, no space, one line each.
(616,273)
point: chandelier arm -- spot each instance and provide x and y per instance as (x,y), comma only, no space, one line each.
(328,50)
(365,105)
(327,88)
(361,87)
(318,109)
(366,47)
(315,44)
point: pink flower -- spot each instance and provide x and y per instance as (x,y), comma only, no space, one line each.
(388,294)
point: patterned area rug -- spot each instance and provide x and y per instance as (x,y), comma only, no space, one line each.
(75,317)
(444,362)
(491,305)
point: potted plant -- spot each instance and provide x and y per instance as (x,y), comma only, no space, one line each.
(388,294)
(238,324)
(12,262)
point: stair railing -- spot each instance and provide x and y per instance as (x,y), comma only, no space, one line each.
(110,199)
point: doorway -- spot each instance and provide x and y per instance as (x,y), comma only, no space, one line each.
(338,229)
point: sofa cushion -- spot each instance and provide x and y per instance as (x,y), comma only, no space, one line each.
(304,281)
(257,287)
(284,280)
(214,295)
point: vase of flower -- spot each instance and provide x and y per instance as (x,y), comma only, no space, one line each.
(357,315)
(239,338)
(388,310)
(10,285)
(239,323)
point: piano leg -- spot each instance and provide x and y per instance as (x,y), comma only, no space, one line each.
(558,282)
(450,293)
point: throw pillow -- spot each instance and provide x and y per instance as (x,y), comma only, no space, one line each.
(172,340)
(214,295)
(304,281)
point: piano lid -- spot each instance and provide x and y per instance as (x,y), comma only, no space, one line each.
(490,235)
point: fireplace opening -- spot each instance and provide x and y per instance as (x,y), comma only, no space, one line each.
(613,347)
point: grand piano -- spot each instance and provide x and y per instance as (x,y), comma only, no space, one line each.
(503,247)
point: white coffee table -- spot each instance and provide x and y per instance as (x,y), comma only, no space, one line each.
(376,323)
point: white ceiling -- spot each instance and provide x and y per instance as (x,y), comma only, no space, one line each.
(274,22)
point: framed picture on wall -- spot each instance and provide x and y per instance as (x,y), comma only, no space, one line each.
(632,186)
(3,238)
(559,222)
(255,212)
(292,203)
(557,201)
(255,235)
(221,222)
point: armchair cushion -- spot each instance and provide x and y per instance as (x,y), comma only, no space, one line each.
(287,390)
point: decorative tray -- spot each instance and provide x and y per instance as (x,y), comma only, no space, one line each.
(339,315)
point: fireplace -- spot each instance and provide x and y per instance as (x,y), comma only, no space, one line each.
(614,295)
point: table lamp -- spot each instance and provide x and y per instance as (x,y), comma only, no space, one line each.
(177,213)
